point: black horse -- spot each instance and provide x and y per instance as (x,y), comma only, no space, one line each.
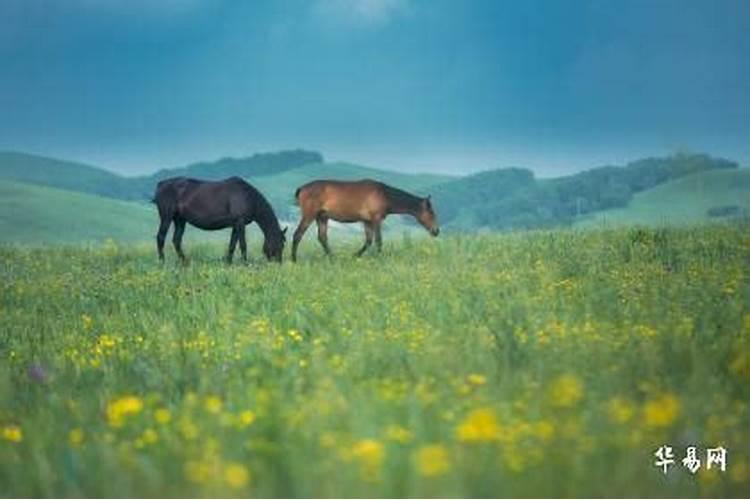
(216,205)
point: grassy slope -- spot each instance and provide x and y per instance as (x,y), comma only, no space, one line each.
(682,201)
(38,214)
(40,170)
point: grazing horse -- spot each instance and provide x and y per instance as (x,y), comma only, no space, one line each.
(365,201)
(216,205)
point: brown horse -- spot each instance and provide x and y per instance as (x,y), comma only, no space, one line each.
(365,201)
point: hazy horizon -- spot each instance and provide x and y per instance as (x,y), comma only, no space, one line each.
(441,87)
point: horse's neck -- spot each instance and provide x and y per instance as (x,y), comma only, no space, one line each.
(403,204)
(267,222)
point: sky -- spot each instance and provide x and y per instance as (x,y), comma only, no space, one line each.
(446,86)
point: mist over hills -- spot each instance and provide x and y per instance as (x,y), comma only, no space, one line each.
(500,199)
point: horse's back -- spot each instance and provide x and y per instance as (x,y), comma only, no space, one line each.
(345,201)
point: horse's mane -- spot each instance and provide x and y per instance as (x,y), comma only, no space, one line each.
(400,197)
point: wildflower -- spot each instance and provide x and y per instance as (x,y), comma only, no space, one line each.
(12,433)
(479,425)
(246,418)
(87,321)
(236,475)
(661,411)
(620,410)
(162,416)
(544,430)
(432,460)
(213,405)
(75,437)
(477,379)
(119,409)
(566,391)
(398,434)
(370,454)
(150,436)
(188,429)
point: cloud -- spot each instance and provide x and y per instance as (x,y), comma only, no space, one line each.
(357,13)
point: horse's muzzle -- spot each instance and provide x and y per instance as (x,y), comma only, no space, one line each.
(435,231)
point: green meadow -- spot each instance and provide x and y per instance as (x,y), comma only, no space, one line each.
(544,363)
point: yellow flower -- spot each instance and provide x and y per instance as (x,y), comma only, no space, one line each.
(236,475)
(150,436)
(12,433)
(246,418)
(370,454)
(119,409)
(477,379)
(162,416)
(75,437)
(213,405)
(432,460)
(188,429)
(87,321)
(661,411)
(398,434)
(620,410)
(544,430)
(479,425)
(566,391)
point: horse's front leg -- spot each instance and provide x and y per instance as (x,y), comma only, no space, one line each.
(242,240)
(232,245)
(179,230)
(368,239)
(378,237)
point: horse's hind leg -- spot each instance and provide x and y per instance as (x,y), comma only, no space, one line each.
(232,245)
(179,230)
(323,233)
(161,236)
(368,239)
(298,234)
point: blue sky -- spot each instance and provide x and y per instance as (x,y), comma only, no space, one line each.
(433,85)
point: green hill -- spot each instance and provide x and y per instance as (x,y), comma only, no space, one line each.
(43,171)
(682,201)
(38,214)
(512,198)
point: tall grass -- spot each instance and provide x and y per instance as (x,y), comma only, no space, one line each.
(543,363)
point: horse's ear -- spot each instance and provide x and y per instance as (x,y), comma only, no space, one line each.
(283,231)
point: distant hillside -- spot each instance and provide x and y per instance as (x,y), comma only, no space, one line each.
(258,165)
(683,201)
(513,198)
(43,171)
(37,214)
(72,176)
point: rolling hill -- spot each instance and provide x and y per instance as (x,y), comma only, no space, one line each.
(682,201)
(43,200)
(39,214)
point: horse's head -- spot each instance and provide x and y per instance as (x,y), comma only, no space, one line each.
(273,247)
(426,216)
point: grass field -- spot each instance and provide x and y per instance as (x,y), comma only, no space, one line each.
(542,363)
